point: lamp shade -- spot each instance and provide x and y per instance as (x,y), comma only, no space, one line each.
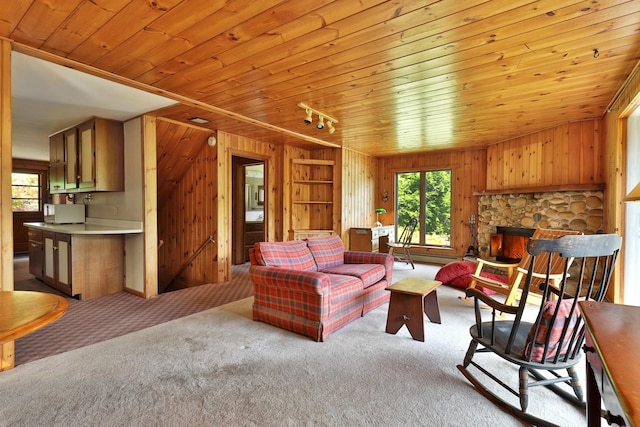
(381,210)
(634,195)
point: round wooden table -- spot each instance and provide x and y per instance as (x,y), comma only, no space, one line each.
(22,312)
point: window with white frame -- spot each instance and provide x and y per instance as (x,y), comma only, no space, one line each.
(631,242)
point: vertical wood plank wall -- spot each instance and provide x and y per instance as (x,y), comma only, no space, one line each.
(186,220)
(360,197)
(199,206)
(468,176)
(569,154)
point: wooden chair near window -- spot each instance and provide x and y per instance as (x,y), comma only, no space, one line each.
(404,243)
(516,272)
(544,346)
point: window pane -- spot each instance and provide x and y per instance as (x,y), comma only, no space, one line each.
(408,200)
(25,179)
(25,192)
(437,196)
(26,205)
(426,193)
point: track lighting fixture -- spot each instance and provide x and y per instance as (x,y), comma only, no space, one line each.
(308,119)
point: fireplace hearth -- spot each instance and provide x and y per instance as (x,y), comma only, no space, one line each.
(509,244)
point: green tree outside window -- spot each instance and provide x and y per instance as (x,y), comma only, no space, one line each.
(25,192)
(426,193)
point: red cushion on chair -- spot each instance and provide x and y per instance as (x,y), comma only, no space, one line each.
(536,347)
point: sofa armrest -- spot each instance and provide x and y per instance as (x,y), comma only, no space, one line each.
(358,257)
(311,282)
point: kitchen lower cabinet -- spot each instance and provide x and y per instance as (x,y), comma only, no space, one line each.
(57,259)
(83,266)
(36,253)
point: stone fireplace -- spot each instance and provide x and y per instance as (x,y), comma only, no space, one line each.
(566,210)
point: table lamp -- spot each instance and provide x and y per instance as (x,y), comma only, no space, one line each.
(378,212)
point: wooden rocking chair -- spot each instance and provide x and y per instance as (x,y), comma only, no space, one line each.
(517,272)
(553,341)
(404,243)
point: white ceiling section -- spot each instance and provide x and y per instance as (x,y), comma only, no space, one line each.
(48,97)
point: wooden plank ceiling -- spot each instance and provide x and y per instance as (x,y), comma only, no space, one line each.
(400,76)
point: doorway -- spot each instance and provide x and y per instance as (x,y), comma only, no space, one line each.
(248,206)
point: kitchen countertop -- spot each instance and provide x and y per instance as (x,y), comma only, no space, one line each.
(91,226)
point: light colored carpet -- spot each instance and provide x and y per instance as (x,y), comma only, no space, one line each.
(220,368)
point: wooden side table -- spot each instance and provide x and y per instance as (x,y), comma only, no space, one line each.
(611,346)
(410,297)
(371,239)
(22,312)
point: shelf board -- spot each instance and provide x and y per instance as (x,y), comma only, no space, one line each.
(543,189)
(312,202)
(309,181)
(313,162)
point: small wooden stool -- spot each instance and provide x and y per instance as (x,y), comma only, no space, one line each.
(410,298)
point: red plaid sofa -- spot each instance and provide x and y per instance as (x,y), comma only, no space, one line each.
(313,286)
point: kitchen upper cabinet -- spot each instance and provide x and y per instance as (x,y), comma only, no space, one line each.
(70,137)
(94,157)
(57,163)
(86,155)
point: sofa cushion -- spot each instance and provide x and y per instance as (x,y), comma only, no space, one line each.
(294,255)
(327,250)
(368,273)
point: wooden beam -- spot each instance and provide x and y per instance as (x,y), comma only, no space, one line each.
(150,207)
(6,216)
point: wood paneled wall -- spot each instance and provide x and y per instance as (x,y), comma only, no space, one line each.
(571,154)
(186,220)
(200,206)
(468,175)
(360,197)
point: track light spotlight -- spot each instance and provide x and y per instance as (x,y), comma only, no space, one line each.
(309,118)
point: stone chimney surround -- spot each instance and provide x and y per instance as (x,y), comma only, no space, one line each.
(560,210)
